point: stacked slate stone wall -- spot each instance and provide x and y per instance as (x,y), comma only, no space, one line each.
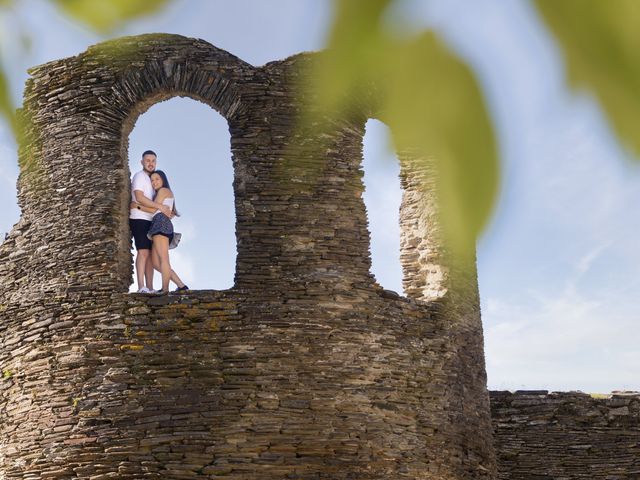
(306,368)
(566,435)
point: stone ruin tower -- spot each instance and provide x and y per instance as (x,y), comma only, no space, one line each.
(305,369)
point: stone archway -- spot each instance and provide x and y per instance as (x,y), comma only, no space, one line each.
(76,142)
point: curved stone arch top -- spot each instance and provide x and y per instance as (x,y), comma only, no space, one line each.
(78,113)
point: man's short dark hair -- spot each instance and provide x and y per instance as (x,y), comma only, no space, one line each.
(149,152)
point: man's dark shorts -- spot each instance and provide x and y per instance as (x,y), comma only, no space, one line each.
(139,229)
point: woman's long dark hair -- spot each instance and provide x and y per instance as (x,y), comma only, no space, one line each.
(165,184)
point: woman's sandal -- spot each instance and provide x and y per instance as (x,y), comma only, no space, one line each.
(181,289)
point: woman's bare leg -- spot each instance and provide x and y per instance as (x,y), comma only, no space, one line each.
(174,276)
(176,279)
(161,245)
(156,259)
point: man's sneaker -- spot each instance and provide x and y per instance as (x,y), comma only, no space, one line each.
(145,290)
(183,288)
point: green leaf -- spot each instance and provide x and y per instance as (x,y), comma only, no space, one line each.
(430,100)
(436,109)
(7,108)
(106,15)
(600,41)
(353,53)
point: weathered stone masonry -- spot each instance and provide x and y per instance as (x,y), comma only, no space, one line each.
(306,368)
(566,435)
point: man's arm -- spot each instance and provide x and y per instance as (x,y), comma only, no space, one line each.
(146,202)
(133,205)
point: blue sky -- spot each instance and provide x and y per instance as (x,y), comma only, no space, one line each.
(558,263)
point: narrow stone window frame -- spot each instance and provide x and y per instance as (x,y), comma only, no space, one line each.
(394,266)
(424,261)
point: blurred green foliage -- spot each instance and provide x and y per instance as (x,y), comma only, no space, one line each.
(430,100)
(7,109)
(432,103)
(106,15)
(600,41)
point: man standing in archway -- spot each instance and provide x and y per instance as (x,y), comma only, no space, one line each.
(140,221)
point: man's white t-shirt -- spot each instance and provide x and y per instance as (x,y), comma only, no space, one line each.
(141,181)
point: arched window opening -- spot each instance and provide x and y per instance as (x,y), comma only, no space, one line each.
(192,143)
(382,198)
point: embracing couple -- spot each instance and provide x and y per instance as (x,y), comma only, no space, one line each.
(151,210)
